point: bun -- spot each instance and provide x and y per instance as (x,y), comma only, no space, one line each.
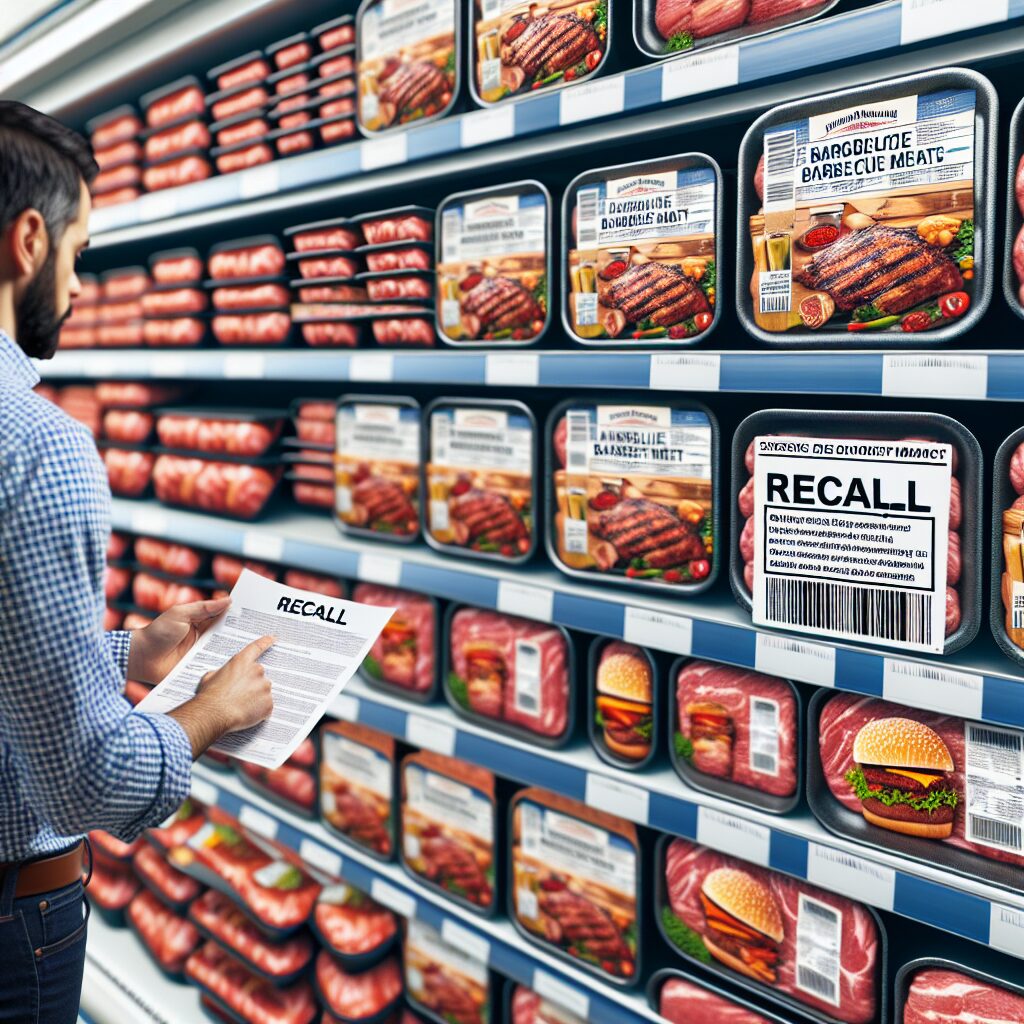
(901,743)
(747,899)
(923,829)
(625,672)
(628,751)
(708,707)
(729,960)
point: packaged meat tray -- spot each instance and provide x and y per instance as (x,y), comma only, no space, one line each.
(876,230)
(243,996)
(935,991)
(354,929)
(287,84)
(314,420)
(357,786)
(174,332)
(336,32)
(510,674)
(173,300)
(138,395)
(737,733)
(124,284)
(257,256)
(250,67)
(364,998)
(113,126)
(329,587)
(518,48)
(110,890)
(404,327)
(173,102)
(292,786)
(129,468)
(680,999)
(249,126)
(179,169)
(401,255)
(338,60)
(173,889)
(264,328)
(408,62)
(1013,255)
(929,786)
(524,1006)
(292,50)
(337,233)
(480,480)
(309,490)
(634,493)
(111,179)
(443,982)
(110,850)
(643,253)
(242,155)
(1006,576)
(917,474)
(118,155)
(234,488)
(377,467)
(243,98)
(326,264)
(167,937)
(295,138)
(668,28)
(622,691)
(189,134)
(174,559)
(227,569)
(814,951)
(398,285)
(399,224)
(248,432)
(575,883)
(449,828)
(220,921)
(116,581)
(130,426)
(151,593)
(494,265)
(332,289)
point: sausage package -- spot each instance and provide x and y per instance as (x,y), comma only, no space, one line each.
(173,559)
(111,851)
(935,991)
(575,883)
(1006,574)
(258,256)
(111,889)
(129,468)
(449,828)
(643,252)
(444,982)
(167,937)
(175,890)
(518,49)
(227,486)
(511,674)
(860,526)
(364,998)
(817,952)
(633,493)
(408,62)
(222,431)
(1013,256)
(113,126)
(867,216)
(340,31)
(736,733)
(292,786)
(480,485)
(929,786)
(377,467)
(357,786)
(624,709)
(494,265)
(679,999)
(352,927)
(404,658)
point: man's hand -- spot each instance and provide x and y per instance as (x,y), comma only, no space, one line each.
(158,647)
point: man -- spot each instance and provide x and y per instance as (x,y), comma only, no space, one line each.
(73,754)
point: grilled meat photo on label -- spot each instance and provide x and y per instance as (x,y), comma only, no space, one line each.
(447,999)
(659,292)
(572,920)
(548,44)
(410,87)
(637,528)
(382,504)
(486,516)
(454,867)
(892,268)
(360,820)
(498,304)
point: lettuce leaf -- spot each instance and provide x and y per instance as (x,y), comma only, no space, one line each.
(931,801)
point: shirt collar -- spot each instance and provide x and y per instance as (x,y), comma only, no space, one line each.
(14,364)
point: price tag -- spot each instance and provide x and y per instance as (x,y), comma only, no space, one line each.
(149,521)
(472,944)
(157,205)
(1006,929)
(259,181)
(430,735)
(371,366)
(167,364)
(922,684)
(851,875)
(729,834)
(522,599)
(244,366)
(685,371)
(547,986)
(661,630)
(259,545)
(203,791)
(630,802)
(99,366)
(700,72)
(512,369)
(795,659)
(935,374)
(925,19)
(483,126)
(599,98)
(382,569)
(258,822)
(402,903)
(346,707)
(318,856)
(384,152)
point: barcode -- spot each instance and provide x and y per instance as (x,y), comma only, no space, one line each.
(841,608)
(451,232)
(586,219)
(775,303)
(779,162)
(1007,741)
(995,833)
(763,763)
(577,440)
(932,363)
(811,981)
(781,643)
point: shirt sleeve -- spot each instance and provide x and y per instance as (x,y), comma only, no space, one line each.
(119,643)
(84,759)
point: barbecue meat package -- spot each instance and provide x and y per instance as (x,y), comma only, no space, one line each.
(443,982)
(168,938)
(356,930)
(404,657)
(352,998)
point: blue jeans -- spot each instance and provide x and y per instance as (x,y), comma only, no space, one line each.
(42,954)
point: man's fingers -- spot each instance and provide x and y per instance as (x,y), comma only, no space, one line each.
(199,611)
(252,652)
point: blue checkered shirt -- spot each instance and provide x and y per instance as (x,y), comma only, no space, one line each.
(74,756)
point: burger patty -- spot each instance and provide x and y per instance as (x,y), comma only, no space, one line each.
(734,946)
(877,776)
(904,812)
(624,733)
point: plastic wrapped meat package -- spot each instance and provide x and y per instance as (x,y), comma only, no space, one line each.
(404,658)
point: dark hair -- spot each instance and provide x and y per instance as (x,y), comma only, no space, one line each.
(42,167)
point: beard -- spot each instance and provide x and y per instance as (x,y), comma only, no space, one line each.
(36,314)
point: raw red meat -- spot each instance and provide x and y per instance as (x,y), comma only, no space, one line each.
(358,996)
(240,102)
(119,153)
(336,237)
(115,198)
(115,582)
(940,996)
(403,331)
(112,311)
(112,618)
(350,923)
(188,819)
(127,425)
(169,883)
(339,36)
(176,171)
(314,431)
(403,654)
(412,258)
(768,10)
(191,135)
(240,159)
(344,128)
(400,228)
(112,890)
(672,17)
(124,176)
(343,65)
(294,142)
(213,435)
(223,487)
(119,285)
(116,130)
(263,260)
(290,783)
(1017,469)
(110,849)
(129,471)
(317,495)
(155,594)
(399,288)
(259,296)
(251,71)
(333,293)
(326,585)
(181,331)
(314,409)
(227,569)
(710,17)
(254,128)
(684,1002)
(169,938)
(162,555)
(177,105)
(1018,184)
(328,266)
(180,269)
(335,333)
(252,328)
(449,997)
(180,300)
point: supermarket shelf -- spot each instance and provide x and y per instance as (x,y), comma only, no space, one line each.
(996,376)
(977,683)
(645,101)
(123,986)
(496,941)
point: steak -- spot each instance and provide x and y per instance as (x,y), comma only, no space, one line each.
(499,303)
(413,85)
(358,819)
(448,863)
(673,16)
(484,515)
(405,649)
(383,501)
(572,920)
(711,17)
(769,10)
(939,996)
(638,528)
(685,1002)
(893,268)
(550,44)
(447,999)
(659,292)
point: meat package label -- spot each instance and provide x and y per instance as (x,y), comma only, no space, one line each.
(438,798)
(488,438)
(622,225)
(764,736)
(378,431)
(819,931)
(392,25)
(425,945)
(851,537)
(886,186)
(994,773)
(354,762)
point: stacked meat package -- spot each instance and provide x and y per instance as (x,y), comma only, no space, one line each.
(174,309)
(309,453)
(176,139)
(248,292)
(115,140)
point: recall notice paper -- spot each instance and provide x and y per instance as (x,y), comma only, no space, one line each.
(321,642)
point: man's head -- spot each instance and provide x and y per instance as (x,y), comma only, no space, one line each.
(45,174)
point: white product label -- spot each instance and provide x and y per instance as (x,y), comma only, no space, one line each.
(342,499)
(660,630)
(441,799)
(387,895)
(1006,929)
(475,945)
(994,773)
(926,19)
(775,290)
(244,366)
(484,438)
(933,686)
(391,25)
(685,371)
(430,735)
(497,225)
(819,930)
(259,181)
(426,944)
(167,364)
(700,73)
(795,659)
(203,791)
(451,313)
(764,736)
(440,519)
(1017,607)
(486,126)
(729,834)
(318,856)
(851,875)
(933,375)
(256,544)
(523,599)
(271,875)
(374,430)
(527,904)
(586,309)
(526,677)
(149,522)
(157,205)
(565,995)
(512,369)
(383,152)
(850,538)
(345,707)
(378,366)
(380,569)
(258,822)
(356,763)
(619,798)
(601,98)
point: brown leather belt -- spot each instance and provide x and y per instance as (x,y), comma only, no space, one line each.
(47,873)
